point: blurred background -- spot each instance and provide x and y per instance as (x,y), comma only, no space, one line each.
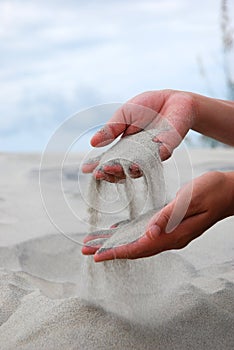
(58,57)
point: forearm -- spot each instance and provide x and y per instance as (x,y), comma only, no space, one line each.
(214,118)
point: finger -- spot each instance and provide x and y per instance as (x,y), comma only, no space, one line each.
(99,234)
(92,246)
(120,223)
(158,223)
(100,174)
(112,178)
(178,114)
(132,117)
(114,169)
(90,164)
(142,248)
(184,205)
(88,168)
(121,252)
(166,136)
(135,171)
(168,141)
(108,133)
(117,170)
(86,250)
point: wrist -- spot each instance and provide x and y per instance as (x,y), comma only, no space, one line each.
(214,118)
(230,191)
(202,108)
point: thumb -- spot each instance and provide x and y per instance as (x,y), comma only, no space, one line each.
(167,219)
(168,140)
(159,221)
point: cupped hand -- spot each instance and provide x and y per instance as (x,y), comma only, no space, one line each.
(211,201)
(148,110)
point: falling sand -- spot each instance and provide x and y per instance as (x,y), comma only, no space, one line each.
(134,149)
(101,283)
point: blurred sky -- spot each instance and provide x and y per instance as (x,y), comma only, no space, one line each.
(57,57)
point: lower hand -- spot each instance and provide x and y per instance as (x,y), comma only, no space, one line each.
(212,200)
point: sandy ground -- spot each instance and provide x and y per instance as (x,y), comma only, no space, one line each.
(52,297)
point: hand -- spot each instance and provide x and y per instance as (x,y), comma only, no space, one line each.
(212,200)
(176,108)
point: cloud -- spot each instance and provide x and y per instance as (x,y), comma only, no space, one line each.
(59,57)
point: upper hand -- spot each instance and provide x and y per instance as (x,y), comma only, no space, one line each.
(177,108)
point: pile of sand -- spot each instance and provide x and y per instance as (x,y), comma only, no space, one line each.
(67,301)
(52,297)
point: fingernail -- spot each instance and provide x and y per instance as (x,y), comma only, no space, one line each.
(156,139)
(98,174)
(154,231)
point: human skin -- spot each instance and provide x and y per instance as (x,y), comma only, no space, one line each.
(202,213)
(183,111)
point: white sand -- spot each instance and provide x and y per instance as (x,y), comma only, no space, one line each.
(52,297)
(140,149)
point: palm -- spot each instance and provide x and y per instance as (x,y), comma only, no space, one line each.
(145,111)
